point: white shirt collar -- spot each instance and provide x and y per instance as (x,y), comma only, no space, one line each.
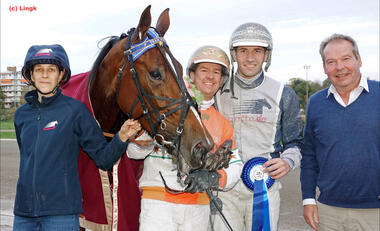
(206,104)
(354,94)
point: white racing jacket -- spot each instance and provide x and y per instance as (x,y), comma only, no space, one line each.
(160,161)
(265,117)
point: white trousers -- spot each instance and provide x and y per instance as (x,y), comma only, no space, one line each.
(237,208)
(164,216)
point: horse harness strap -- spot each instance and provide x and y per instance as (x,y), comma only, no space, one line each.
(128,53)
(187,101)
(107,134)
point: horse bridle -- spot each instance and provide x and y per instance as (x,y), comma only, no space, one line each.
(133,52)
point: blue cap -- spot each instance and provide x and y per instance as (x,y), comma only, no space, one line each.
(46,54)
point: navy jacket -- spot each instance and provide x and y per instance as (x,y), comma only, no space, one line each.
(49,136)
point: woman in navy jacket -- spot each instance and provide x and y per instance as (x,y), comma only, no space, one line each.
(50,130)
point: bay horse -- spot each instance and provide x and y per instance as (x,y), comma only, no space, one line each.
(138,77)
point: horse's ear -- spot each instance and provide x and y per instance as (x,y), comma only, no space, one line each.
(144,25)
(163,22)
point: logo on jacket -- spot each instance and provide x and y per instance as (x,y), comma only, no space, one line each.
(253,106)
(50,126)
(45,51)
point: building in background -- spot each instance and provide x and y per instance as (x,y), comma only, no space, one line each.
(12,84)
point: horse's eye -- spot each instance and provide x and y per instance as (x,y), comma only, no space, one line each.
(155,75)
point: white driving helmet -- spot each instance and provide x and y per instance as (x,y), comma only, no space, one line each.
(210,54)
(252,34)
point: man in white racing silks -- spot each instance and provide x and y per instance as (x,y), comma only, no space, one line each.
(161,209)
(266,122)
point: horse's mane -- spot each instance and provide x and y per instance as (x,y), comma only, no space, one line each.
(104,51)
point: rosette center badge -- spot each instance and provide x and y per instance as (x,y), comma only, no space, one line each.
(257,173)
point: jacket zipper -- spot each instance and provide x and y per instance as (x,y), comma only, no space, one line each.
(36,196)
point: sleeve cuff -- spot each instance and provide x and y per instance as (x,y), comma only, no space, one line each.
(292,156)
(120,141)
(309,201)
(223,178)
(289,161)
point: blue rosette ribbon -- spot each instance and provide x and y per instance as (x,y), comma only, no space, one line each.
(255,179)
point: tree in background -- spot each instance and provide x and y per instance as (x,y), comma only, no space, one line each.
(25,89)
(326,83)
(299,86)
(3,111)
(6,114)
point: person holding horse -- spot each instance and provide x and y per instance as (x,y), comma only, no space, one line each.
(168,204)
(267,125)
(50,130)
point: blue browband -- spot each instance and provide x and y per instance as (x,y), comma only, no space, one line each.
(148,43)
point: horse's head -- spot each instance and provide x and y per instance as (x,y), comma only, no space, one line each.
(139,75)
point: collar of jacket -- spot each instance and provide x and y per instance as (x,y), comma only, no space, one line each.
(255,83)
(32,98)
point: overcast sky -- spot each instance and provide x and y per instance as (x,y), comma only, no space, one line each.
(297,27)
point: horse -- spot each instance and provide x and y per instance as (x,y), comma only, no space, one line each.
(136,76)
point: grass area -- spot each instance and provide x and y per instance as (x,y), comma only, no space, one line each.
(6,125)
(7,135)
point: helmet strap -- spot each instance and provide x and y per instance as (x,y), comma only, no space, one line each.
(268,60)
(47,93)
(232,82)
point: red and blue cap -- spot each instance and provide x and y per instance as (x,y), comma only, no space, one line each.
(46,54)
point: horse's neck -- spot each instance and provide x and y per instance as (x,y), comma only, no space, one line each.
(106,111)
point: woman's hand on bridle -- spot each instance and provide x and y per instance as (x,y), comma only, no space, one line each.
(129,129)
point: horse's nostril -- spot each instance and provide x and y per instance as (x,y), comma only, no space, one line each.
(198,153)
(198,149)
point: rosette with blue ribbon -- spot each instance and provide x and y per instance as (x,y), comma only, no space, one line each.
(255,179)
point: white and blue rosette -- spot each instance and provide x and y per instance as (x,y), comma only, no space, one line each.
(254,177)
